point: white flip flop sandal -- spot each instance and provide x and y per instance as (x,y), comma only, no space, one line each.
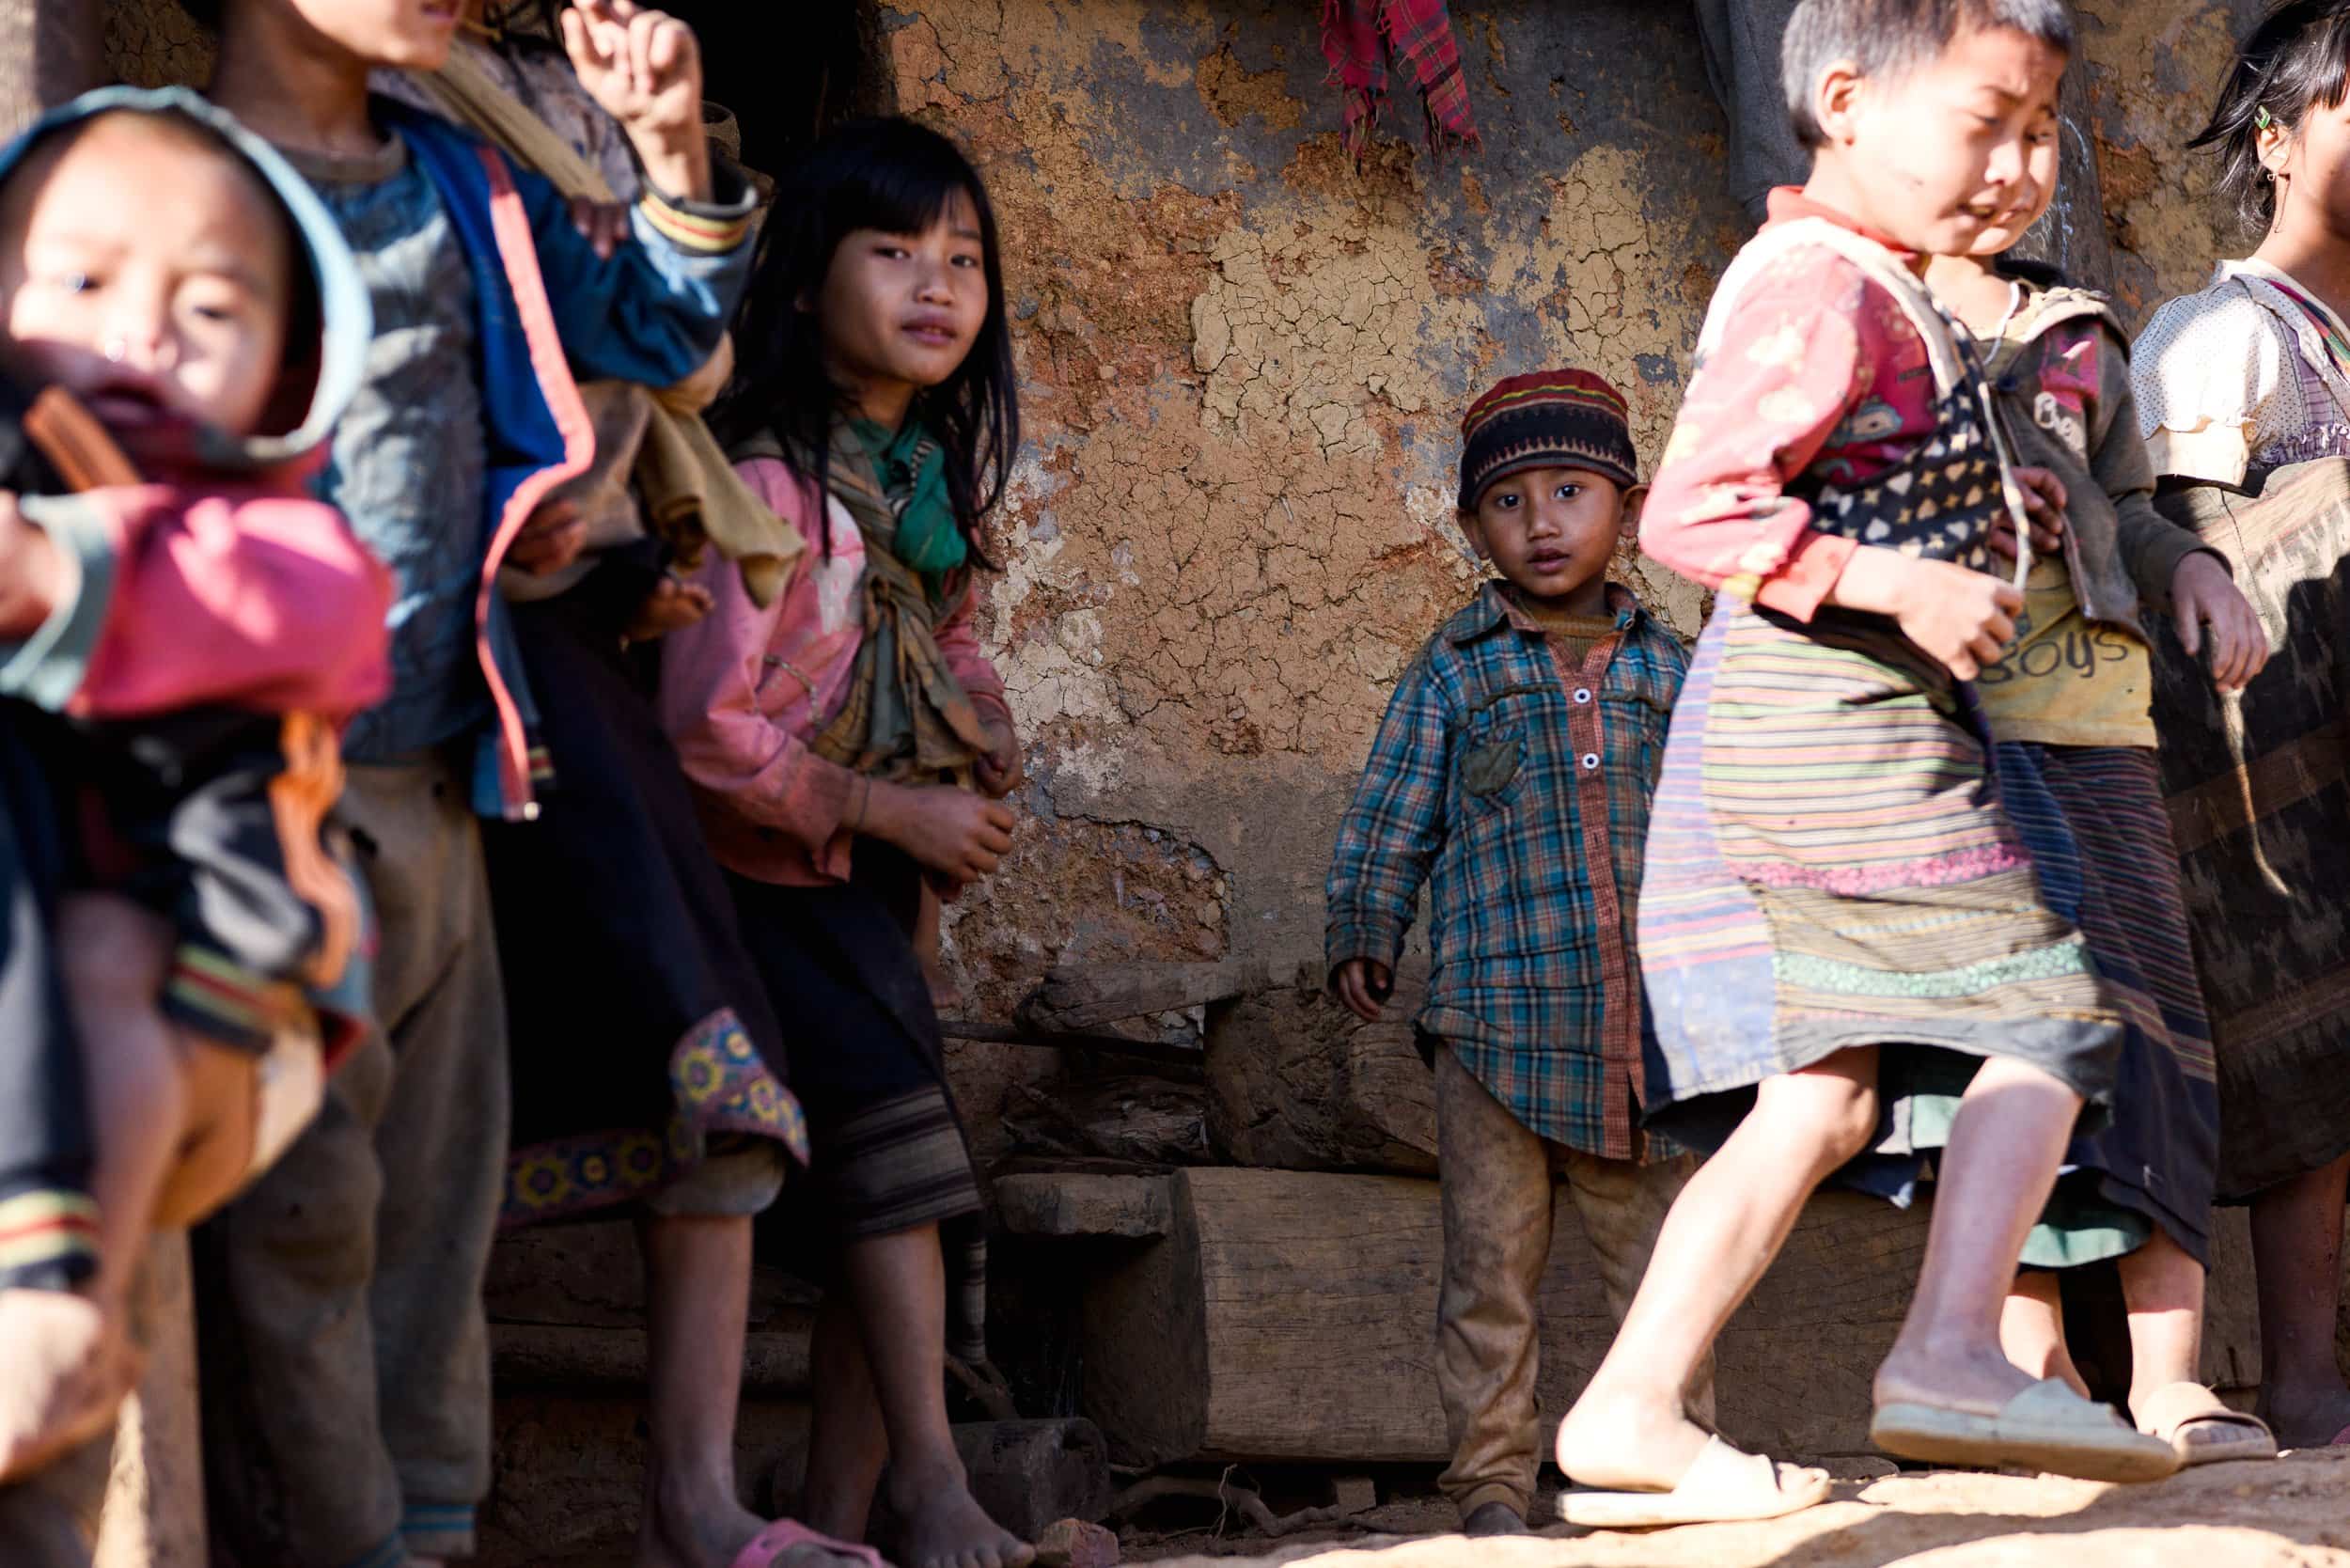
(1721,1484)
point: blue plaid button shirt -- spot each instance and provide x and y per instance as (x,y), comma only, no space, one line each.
(1516,786)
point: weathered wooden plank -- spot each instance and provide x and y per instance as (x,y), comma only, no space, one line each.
(592,1276)
(557,1357)
(1143,1330)
(1086,997)
(1298,1083)
(1043,1203)
(1292,1316)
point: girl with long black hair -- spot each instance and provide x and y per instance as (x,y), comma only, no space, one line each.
(850,746)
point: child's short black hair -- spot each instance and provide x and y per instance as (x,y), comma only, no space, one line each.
(206,12)
(2297,59)
(1879,36)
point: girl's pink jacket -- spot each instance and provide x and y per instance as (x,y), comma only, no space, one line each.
(744,690)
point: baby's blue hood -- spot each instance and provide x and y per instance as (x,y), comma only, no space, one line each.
(346,323)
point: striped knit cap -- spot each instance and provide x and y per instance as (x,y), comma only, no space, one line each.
(1548,419)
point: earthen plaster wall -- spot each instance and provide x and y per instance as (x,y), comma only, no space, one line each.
(1243,362)
(1243,359)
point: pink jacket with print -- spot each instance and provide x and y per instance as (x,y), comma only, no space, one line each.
(744,690)
(241,594)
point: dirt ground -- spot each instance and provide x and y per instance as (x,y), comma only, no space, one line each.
(2294,1513)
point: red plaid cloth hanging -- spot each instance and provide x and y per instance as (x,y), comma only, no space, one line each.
(1419,37)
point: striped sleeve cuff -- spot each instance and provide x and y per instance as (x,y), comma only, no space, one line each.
(702,227)
(48,1239)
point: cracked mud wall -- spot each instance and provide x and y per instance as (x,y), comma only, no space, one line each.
(1243,363)
(2155,69)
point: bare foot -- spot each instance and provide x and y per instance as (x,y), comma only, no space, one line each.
(708,1534)
(2305,1415)
(1624,1441)
(671,606)
(69,1368)
(945,1527)
(694,1537)
(1975,1379)
(1627,1441)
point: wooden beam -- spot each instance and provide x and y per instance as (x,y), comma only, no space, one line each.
(1290,1316)
(1077,1203)
(1086,997)
(1298,1083)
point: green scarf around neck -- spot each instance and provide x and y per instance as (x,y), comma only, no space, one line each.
(904,717)
(912,468)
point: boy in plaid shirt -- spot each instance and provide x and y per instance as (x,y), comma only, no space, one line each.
(1513,774)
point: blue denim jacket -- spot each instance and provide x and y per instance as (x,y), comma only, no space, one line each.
(651,313)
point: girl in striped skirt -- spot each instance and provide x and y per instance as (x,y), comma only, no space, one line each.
(1838,919)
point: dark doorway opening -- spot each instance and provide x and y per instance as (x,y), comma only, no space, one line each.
(786,70)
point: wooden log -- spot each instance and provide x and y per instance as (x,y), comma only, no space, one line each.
(1082,997)
(1284,1316)
(1296,1082)
(1141,1120)
(534,1355)
(1179,1051)
(590,1276)
(153,1516)
(1292,1316)
(1076,1204)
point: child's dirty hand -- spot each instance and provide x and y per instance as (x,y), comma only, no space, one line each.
(1364,985)
(671,606)
(953,832)
(2209,608)
(34,576)
(1964,618)
(548,541)
(602,223)
(999,766)
(2043,513)
(644,67)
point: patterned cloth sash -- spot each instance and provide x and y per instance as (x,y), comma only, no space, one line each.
(905,717)
(1944,501)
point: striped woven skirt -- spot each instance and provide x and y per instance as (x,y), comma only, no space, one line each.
(2093,818)
(1828,867)
(2258,788)
(890,1150)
